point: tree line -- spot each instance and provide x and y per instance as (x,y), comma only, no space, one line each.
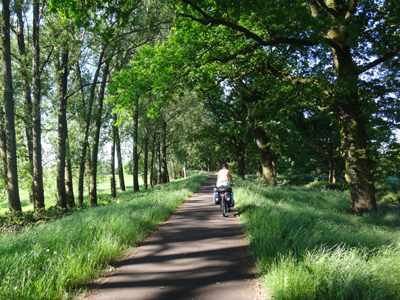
(272,86)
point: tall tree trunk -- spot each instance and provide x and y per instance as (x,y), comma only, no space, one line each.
(352,124)
(26,89)
(86,132)
(146,157)
(96,141)
(12,174)
(62,131)
(3,146)
(265,152)
(173,169)
(119,158)
(159,176)
(112,164)
(240,153)
(358,164)
(184,170)
(69,186)
(38,192)
(135,149)
(260,137)
(165,177)
(152,161)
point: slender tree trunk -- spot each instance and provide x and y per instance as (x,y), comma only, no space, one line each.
(112,165)
(135,149)
(38,192)
(152,161)
(184,170)
(240,152)
(96,141)
(86,132)
(3,146)
(159,176)
(12,174)
(26,89)
(165,177)
(119,157)
(62,131)
(173,169)
(69,186)
(88,166)
(146,157)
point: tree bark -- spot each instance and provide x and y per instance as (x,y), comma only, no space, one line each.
(146,157)
(38,192)
(69,186)
(12,173)
(165,177)
(119,158)
(358,165)
(3,146)
(62,131)
(96,140)
(240,153)
(261,139)
(135,149)
(159,176)
(173,169)
(87,126)
(152,161)
(352,124)
(26,89)
(112,164)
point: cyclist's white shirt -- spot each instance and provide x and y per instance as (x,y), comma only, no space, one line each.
(223,182)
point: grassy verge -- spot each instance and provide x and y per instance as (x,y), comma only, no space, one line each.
(57,259)
(308,246)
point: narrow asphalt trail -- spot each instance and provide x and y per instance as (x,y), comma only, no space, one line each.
(197,254)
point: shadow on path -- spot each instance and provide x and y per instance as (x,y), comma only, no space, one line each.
(197,254)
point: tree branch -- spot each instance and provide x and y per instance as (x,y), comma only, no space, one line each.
(215,22)
(376,62)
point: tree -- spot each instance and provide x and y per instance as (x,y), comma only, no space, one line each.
(317,30)
(38,192)
(10,142)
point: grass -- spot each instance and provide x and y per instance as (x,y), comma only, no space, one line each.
(58,259)
(308,246)
(50,193)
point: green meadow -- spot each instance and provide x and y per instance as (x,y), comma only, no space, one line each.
(307,245)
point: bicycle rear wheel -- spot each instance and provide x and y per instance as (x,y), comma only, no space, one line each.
(223,206)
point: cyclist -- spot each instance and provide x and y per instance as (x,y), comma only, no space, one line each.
(225,179)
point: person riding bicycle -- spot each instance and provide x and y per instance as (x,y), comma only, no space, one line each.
(225,179)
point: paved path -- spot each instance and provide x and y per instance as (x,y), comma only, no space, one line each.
(197,254)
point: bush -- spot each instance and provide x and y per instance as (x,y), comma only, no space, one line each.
(325,185)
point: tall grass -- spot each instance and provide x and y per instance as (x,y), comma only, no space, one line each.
(55,260)
(50,193)
(308,246)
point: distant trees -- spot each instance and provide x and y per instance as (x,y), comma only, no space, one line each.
(303,83)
